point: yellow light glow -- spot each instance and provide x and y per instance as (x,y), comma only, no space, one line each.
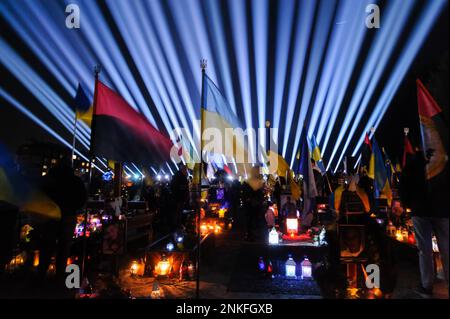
(292,225)
(163,267)
(399,235)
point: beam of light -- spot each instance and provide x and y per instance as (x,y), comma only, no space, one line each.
(409,52)
(132,173)
(170,170)
(44,126)
(395,21)
(342,76)
(133,35)
(154,170)
(319,39)
(139,171)
(338,56)
(38,88)
(239,29)
(303,30)
(131,24)
(215,20)
(260,31)
(284,27)
(167,46)
(112,60)
(357,161)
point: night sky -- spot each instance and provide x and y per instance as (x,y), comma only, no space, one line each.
(430,65)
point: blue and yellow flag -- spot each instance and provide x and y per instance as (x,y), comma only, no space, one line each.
(306,170)
(220,122)
(316,155)
(19,192)
(82,106)
(381,181)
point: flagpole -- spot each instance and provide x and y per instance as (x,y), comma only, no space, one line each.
(74,139)
(97,70)
(203,64)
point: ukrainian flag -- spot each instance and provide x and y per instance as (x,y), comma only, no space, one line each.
(17,191)
(381,181)
(218,117)
(316,155)
(82,106)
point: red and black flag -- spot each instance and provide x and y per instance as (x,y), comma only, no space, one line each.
(435,146)
(122,134)
(366,152)
(408,150)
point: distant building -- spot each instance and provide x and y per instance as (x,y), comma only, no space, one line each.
(34,159)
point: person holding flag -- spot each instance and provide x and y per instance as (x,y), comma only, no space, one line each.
(382,186)
(318,166)
(424,189)
(309,190)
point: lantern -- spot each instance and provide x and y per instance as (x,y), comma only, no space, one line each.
(163,266)
(391,229)
(291,267)
(399,235)
(222,212)
(405,234)
(273,237)
(36,258)
(269,268)
(203,229)
(306,269)
(411,239)
(137,268)
(292,225)
(261,265)
(217,229)
(52,267)
(156,290)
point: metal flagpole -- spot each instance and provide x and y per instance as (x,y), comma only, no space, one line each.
(203,64)
(97,69)
(74,139)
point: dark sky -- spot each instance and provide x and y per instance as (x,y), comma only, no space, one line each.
(431,65)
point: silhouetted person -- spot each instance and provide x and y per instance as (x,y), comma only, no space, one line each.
(9,215)
(427,218)
(253,198)
(69,193)
(180,195)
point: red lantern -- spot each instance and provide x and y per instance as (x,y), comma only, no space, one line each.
(411,239)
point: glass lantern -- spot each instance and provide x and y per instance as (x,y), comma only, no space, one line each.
(273,237)
(306,269)
(292,226)
(291,267)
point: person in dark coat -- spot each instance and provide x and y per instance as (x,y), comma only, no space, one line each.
(253,198)
(179,187)
(429,210)
(68,191)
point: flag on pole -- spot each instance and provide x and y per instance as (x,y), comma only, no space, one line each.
(19,192)
(366,154)
(305,169)
(316,155)
(82,106)
(217,116)
(435,146)
(390,169)
(122,134)
(284,170)
(381,182)
(407,150)
(434,132)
